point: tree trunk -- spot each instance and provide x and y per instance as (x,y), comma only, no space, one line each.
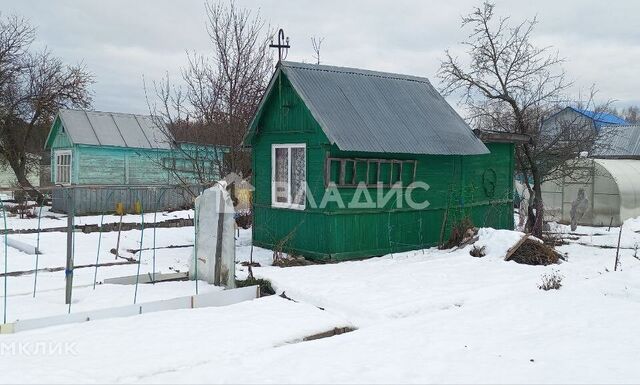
(538,223)
(535,222)
(531,217)
(19,168)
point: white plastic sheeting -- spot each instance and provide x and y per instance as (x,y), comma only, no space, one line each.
(214,208)
(612,187)
(626,174)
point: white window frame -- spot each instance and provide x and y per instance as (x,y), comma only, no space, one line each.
(57,154)
(288,204)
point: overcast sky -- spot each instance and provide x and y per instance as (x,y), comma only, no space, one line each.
(120,41)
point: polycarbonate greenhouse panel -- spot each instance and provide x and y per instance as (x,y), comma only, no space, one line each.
(113,129)
(103,126)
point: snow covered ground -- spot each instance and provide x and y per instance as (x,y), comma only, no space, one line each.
(143,348)
(49,299)
(421,316)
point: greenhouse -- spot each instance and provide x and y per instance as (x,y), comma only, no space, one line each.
(600,192)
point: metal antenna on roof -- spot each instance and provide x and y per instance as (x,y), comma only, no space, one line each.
(282,46)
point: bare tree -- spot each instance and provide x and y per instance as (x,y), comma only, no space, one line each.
(509,84)
(631,113)
(222,89)
(316,43)
(33,86)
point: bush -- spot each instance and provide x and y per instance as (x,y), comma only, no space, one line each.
(553,239)
(461,233)
(552,281)
(291,260)
(244,219)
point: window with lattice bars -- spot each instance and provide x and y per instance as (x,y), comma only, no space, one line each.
(351,172)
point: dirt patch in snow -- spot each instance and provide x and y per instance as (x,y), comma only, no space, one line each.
(329,333)
(292,260)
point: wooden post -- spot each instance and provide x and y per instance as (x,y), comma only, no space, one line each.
(218,256)
(69,264)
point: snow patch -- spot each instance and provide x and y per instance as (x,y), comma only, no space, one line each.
(497,242)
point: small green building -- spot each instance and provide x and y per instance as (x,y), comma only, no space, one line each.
(109,157)
(387,163)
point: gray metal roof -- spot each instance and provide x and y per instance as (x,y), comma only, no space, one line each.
(370,111)
(618,142)
(114,129)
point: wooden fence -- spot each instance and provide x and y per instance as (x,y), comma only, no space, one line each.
(103,198)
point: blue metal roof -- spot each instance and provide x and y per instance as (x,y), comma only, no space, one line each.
(601,118)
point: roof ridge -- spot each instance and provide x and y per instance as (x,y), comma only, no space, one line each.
(596,115)
(105,112)
(356,71)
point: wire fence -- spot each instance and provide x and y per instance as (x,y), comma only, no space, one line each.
(103,200)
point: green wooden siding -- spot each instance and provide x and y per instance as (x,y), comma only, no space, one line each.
(456,184)
(456,188)
(113,165)
(57,137)
(209,161)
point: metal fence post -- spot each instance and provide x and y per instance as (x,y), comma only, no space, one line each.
(155,225)
(35,276)
(104,209)
(195,244)
(135,294)
(4,216)
(69,266)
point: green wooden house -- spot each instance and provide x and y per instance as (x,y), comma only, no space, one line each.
(350,163)
(98,153)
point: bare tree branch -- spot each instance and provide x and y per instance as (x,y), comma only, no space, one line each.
(509,84)
(316,43)
(33,87)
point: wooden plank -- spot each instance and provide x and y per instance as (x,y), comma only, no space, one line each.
(22,246)
(327,172)
(54,269)
(146,278)
(353,177)
(212,299)
(515,247)
(366,179)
